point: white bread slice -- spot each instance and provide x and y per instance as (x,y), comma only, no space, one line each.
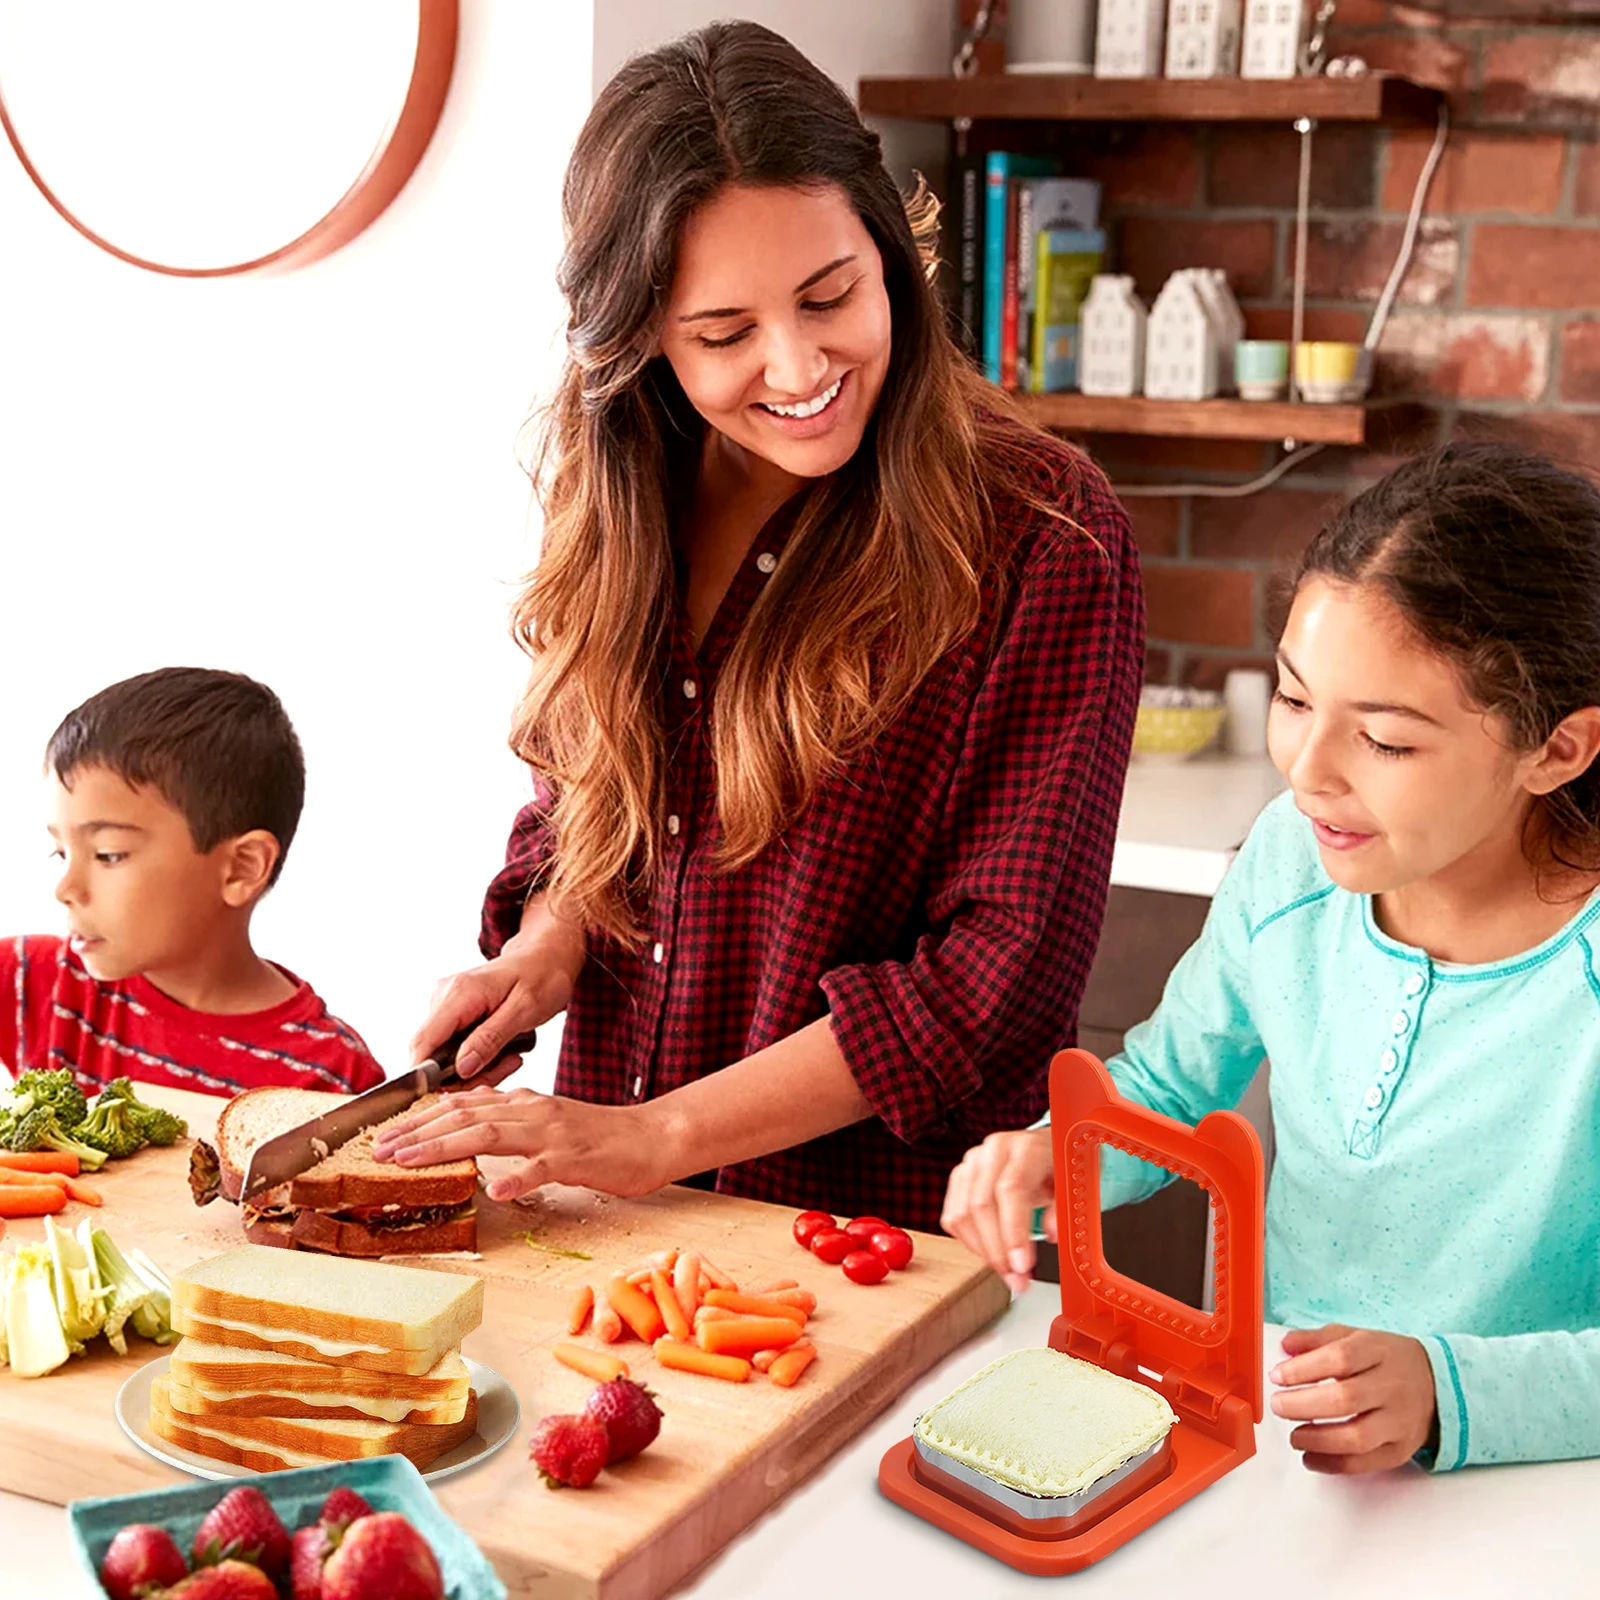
(268,1444)
(1045,1422)
(296,1302)
(321,1404)
(222,1368)
(351,1177)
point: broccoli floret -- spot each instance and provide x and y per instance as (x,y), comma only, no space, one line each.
(112,1127)
(55,1089)
(158,1126)
(40,1129)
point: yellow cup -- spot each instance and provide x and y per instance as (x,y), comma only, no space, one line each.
(1327,361)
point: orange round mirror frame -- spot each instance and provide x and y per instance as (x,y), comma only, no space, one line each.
(386,172)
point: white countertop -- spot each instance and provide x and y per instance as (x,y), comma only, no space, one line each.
(1183,822)
(1268,1529)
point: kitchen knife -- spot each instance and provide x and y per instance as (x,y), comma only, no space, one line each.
(276,1161)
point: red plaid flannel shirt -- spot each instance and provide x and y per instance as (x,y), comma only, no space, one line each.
(941,899)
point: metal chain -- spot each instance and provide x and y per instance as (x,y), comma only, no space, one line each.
(1316,50)
(966,61)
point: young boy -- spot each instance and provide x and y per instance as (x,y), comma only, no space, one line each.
(174,797)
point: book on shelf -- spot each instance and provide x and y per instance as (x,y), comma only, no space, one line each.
(1068,259)
(1000,168)
(1042,203)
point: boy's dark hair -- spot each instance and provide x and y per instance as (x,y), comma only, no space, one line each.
(1493,558)
(217,746)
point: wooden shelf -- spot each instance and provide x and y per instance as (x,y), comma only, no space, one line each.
(1014,97)
(1200,419)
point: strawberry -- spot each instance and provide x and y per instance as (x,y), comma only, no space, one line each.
(242,1525)
(228,1580)
(342,1507)
(139,1555)
(629,1413)
(382,1557)
(570,1450)
(308,1549)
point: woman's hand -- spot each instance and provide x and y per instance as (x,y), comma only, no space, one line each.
(1381,1384)
(557,1140)
(530,981)
(992,1196)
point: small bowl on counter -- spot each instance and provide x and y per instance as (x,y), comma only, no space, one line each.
(1175,724)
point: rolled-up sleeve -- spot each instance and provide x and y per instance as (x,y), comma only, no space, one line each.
(529,853)
(956,1040)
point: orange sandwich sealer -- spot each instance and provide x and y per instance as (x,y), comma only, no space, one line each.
(1206,1364)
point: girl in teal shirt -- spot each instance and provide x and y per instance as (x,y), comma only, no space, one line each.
(1409,935)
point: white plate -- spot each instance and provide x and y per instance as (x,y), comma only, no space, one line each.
(498,1416)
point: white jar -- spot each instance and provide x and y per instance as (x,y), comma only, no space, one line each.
(1050,36)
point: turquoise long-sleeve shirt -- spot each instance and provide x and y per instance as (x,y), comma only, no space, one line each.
(1437,1130)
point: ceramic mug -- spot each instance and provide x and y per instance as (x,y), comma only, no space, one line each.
(1050,36)
(1261,368)
(1327,361)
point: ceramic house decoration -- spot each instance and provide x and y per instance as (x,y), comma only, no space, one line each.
(1272,33)
(1226,318)
(1111,338)
(1180,360)
(1202,38)
(1128,38)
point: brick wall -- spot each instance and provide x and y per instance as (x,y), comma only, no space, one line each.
(1496,329)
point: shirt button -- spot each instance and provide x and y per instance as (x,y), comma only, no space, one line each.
(690,689)
(656,954)
(1415,984)
(1391,1061)
(674,825)
(1374,1097)
(638,1087)
(766,562)
(1402,1021)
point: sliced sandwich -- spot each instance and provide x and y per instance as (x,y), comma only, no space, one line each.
(269,1444)
(349,1204)
(219,1380)
(341,1314)
(1046,1423)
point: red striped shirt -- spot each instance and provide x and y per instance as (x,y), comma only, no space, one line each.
(54,1014)
(940,899)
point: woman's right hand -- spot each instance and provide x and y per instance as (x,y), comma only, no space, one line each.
(992,1196)
(530,981)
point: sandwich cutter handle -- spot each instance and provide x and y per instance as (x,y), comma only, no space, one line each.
(1206,1364)
(279,1160)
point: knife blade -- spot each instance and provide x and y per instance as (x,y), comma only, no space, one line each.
(284,1157)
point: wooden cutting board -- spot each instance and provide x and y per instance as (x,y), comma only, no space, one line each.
(726,1451)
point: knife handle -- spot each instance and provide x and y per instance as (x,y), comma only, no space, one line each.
(445,1056)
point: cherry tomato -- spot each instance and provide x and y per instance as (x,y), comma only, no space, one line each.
(831,1245)
(809,1223)
(862,1266)
(893,1245)
(861,1229)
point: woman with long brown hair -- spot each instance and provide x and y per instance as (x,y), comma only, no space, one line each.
(834,667)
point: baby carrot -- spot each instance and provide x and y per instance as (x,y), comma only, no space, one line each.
(719,1278)
(788,1367)
(31,1200)
(667,1305)
(81,1192)
(607,1324)
(773,1288)
(689,1358)
(762,1360)
(635,1309)
(10,1175)
(730,1301)
(714,1314)
(640,1276)
(743,1336)
(686,1282)
(803,1298)
(40,1161)
(582,1305)
(594,1364)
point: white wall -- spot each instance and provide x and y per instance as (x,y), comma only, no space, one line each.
(848,39)
(308,477)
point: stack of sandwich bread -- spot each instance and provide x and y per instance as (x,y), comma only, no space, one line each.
(348,1204)
(293,1360)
